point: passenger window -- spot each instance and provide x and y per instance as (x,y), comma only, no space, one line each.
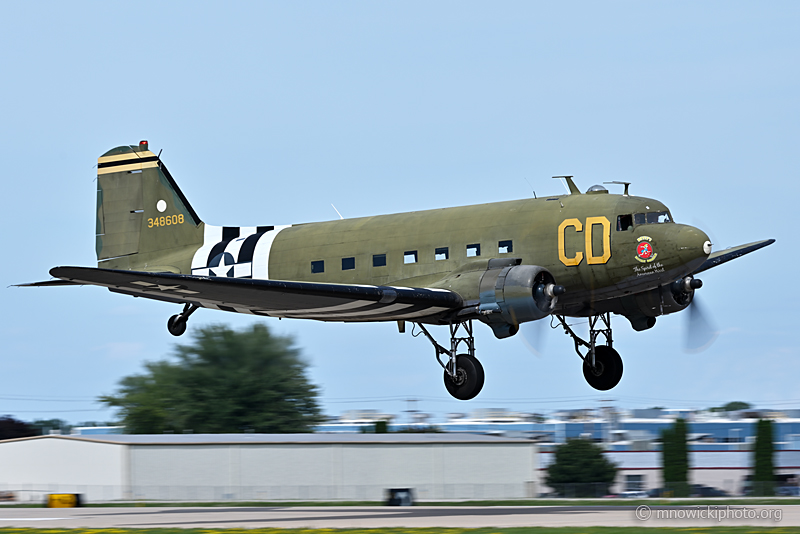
(379,260)
(504,247)
(318,266)
(348,264)
(442,253)
(410,256)
(638,219)
(473,250)
(624,222)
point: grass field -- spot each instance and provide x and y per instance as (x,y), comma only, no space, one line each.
(526,530)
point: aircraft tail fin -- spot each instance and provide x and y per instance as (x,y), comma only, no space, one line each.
(144,221)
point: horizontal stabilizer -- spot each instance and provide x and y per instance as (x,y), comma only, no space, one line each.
(723,256)
(49,283)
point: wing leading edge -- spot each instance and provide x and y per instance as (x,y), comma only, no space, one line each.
(273,298)
(724,256)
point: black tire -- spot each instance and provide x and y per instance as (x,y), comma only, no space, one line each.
(608,368)
(176,325)
(469,378)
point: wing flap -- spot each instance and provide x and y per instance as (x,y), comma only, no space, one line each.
(276,298)
(724,256)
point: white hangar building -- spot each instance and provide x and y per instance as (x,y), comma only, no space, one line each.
(270,467)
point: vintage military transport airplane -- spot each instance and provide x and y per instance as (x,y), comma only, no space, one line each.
(506,263)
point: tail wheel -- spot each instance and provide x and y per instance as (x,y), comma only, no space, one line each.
(607,370)
(176,325)
(468,381)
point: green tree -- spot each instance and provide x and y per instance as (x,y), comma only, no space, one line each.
(11,428)
(226,381)
(45,426)
(675,459)
(733,406)
(763,467)
(580,470)
(736,406)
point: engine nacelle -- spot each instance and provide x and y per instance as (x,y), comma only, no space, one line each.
(664,300)
(512,295)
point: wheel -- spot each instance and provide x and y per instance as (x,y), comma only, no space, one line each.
(469,378)
(176,325)
(607,371)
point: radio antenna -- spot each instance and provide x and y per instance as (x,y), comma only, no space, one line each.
(529,185)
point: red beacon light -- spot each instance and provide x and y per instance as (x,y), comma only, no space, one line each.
(143,145)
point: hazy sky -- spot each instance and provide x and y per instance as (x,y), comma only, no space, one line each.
(268,112)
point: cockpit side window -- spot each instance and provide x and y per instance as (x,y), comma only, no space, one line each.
(624,222)
(638,218)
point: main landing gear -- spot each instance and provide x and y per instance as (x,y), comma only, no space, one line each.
(463,373)
(602,365)
(177,323)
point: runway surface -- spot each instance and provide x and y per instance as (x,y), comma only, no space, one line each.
(388,517)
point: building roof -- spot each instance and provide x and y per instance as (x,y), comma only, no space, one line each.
(278,439)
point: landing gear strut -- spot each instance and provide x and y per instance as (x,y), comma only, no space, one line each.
(602,366)
(177,323)
(463,373)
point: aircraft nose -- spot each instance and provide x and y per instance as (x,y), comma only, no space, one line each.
(693,244)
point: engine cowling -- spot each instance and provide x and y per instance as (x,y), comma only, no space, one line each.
(512,295)
(664,300)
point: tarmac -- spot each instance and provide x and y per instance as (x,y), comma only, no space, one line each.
(396,517)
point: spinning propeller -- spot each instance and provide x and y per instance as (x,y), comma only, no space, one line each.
(699,331)
(534,335)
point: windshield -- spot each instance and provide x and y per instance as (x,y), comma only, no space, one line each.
(657,217)
(625,222)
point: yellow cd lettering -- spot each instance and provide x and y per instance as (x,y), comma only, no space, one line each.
(562,255)
(591,259)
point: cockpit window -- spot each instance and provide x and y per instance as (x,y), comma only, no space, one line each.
(658,217)
(624,222)
(654,217)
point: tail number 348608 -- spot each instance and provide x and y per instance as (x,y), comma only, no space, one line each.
(165,220)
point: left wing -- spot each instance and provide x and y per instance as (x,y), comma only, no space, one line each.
(723,256)
(273,298)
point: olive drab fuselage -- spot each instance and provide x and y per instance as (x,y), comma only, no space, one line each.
(578,238)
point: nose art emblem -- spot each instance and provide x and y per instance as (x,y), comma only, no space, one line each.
(644,250)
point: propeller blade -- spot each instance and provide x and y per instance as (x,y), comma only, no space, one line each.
(534,335)
(699,331)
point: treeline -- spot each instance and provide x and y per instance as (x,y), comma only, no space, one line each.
(12,428)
